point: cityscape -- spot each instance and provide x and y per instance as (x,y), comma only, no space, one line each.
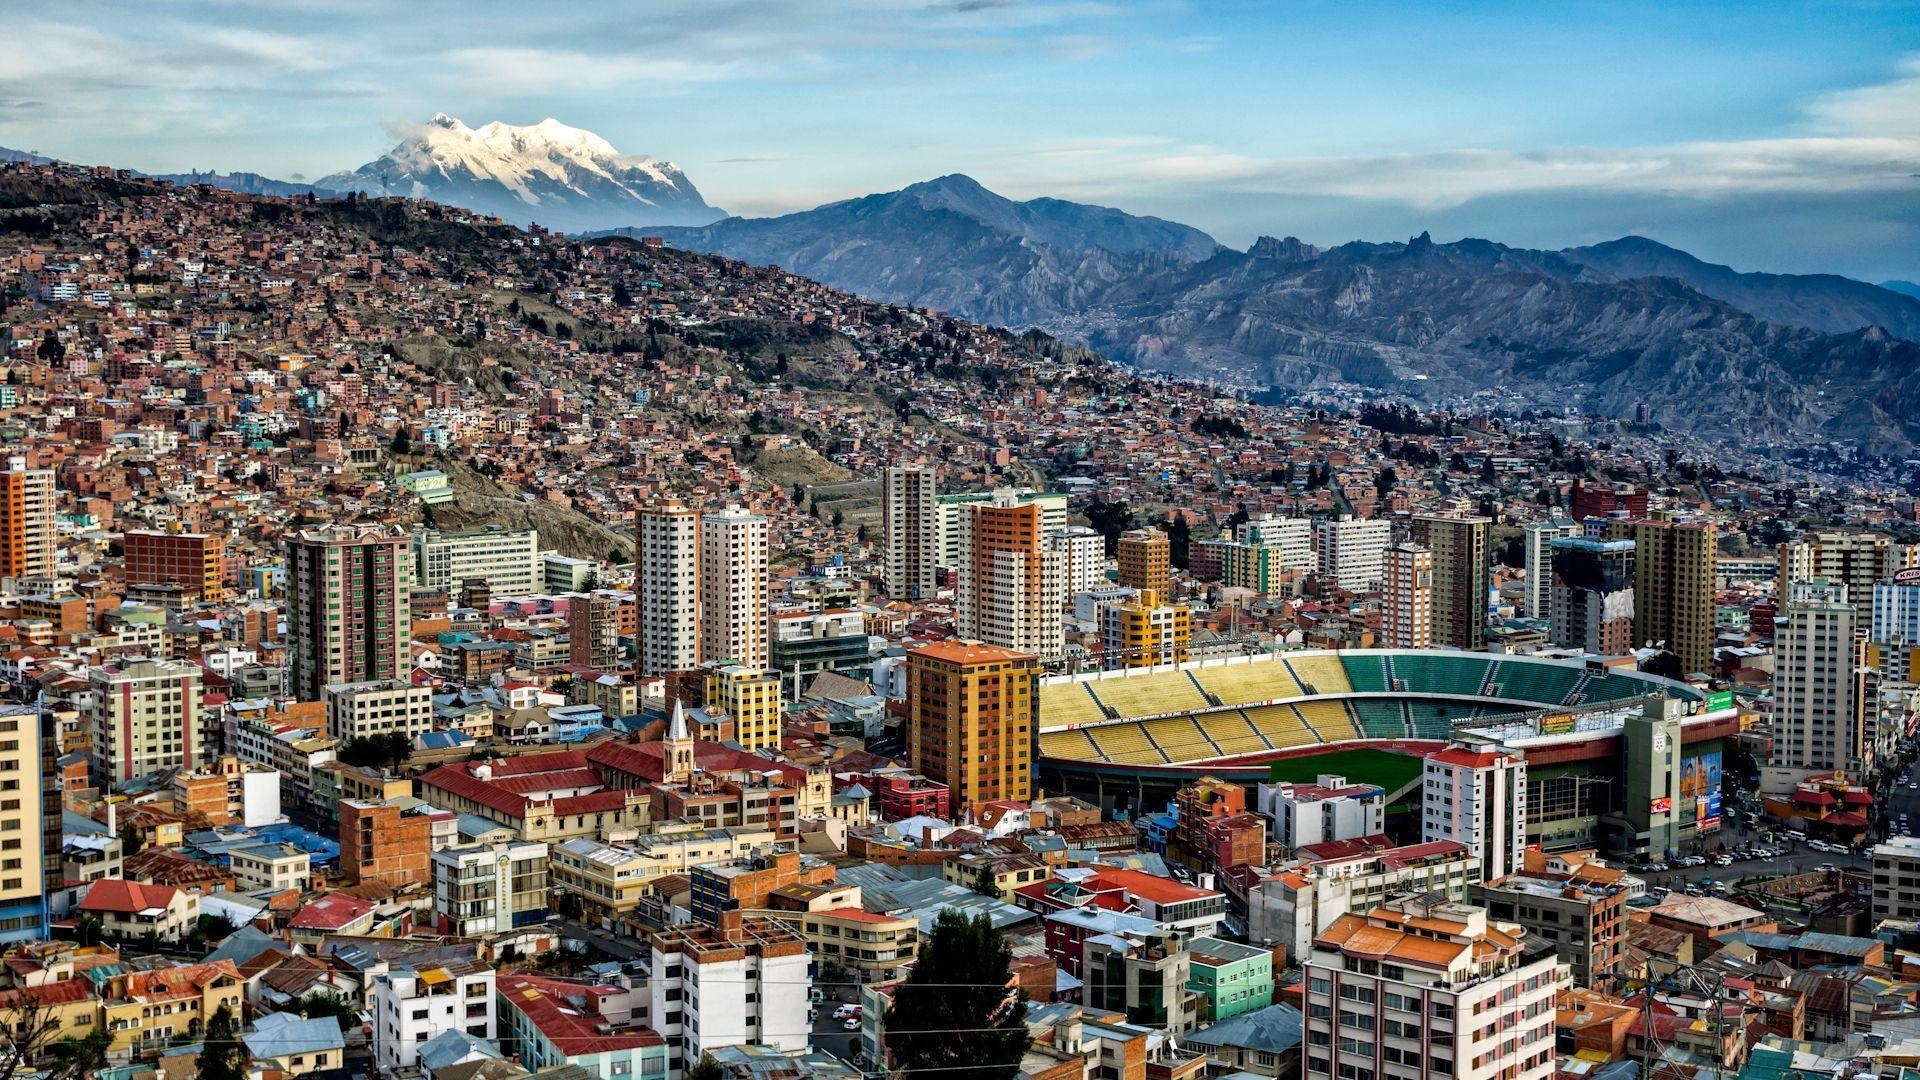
(489,614)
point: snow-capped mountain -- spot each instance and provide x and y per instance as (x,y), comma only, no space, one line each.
(559,176)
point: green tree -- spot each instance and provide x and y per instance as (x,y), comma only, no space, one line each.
(706,1069)
(1110,519)
(222,1055)
(84,1056)
(326,1003)
(956,1013)
(402,441)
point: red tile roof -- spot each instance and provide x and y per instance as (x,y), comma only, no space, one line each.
(331,912)
(127,897)
(572,1029)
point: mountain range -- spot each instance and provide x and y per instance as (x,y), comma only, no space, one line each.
(1610,326)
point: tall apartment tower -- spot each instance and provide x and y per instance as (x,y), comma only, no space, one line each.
(593,631)
(1351,552)
(667,584)
(1539,557)
(1858,560)
(1819,684)
(348,601)
(1592,595)
(1146,631)
(1145,557)
(972,709)
(1460,577)
(1012,584)
(910,520)
(1083,555)
(733,587)
(1406,601)
(143,716)
(1477,797)
(1672,585)
(27,500)
(30,837)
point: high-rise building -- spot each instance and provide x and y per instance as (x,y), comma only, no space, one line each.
(1477,797)
(1592,595)
(1351,552)
(1291,536)
(1012,585)
(667,579)
(972,709)
(144,716)
(951,513)
(1460,577)
(1819,681)
(1539,558)
(1895,632)
(911,525)
(508,560)
(1083,558)
(751,698)
(1146,631)
(733,587)
(348,589)
(1570,899)
(27,503)
(1672,585)
(194,560)
(593,631)
(29,827)
(1429,988)
(743,980)
(1858,560)
(1406,598)
(1145,559)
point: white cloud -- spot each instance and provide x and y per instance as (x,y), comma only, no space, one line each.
(1883,108)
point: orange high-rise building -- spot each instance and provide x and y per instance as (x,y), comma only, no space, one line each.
(1012,585)
(26,520)
(972,714)
(1145,559)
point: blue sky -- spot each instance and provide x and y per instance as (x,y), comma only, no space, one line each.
(1769,136)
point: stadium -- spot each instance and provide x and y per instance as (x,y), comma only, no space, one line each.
(1127,739)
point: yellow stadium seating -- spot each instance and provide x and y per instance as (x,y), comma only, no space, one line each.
(1282,726)
(1331,719)
(1147,695)
(1181,739)
(1323,670)
(1235,733)
(1075,744)
(1067,703)
(1127,744)
(1238,684)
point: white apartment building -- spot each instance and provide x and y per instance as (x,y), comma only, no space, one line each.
(1292,536)
(951,513)
(144,716)
(667,584)
(1351,552)
(733,587)
(412,1005)
(1012,584)
(1896,625)
(741,982)
(1083,554)
(1896,879)
(911,524)
(1328,809)
(1294,907)
(291,750)
(272,866)
(1539,559)
(1418,989)
(358,710)
(1819,681)
(1406,598)
(483,889)
(508,560)
(1478,799)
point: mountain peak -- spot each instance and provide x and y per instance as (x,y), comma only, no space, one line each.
(551,172)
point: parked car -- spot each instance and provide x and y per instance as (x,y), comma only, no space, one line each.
(1827,867)
(846,1012)
(852,1023)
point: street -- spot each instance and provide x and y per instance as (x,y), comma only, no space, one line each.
(618,947)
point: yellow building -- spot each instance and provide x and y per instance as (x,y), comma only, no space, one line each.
(1144,556)
(879,948)
(608,881)
(751,696)
(145,1010)
(972,719)
(1145,631)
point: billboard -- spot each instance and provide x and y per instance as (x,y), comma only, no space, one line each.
(1719,699)
(1700,787)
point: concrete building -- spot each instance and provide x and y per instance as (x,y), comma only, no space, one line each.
(1328,809)
(910,523)
(387,706)
(508,560)
(874,947)
(1819,684)
(1460,577)
(280,867)
(742,981)
(1326,881)
(1673,580)
(806,643)
(1012,585)
(1145,560)
(1146,631)
(565,574)
(1570,899)
(567,1024)
(1429,989)
(1231,978)
(1539,558)
(952,511)
(607,881)
(1351,552)
(1895,632)
(1896,879)
(143,715)
(381,842)
(1406,598)
(971,719)
(1477,798)
(1857,560)
(667,581)
(484,889)
(30,829)
(1592,595)
(751,697)
(733,588)
(28,499)
(1142,976)
(1083,555)
(348,606)
(413,1002)
(593,631)
(195,561)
